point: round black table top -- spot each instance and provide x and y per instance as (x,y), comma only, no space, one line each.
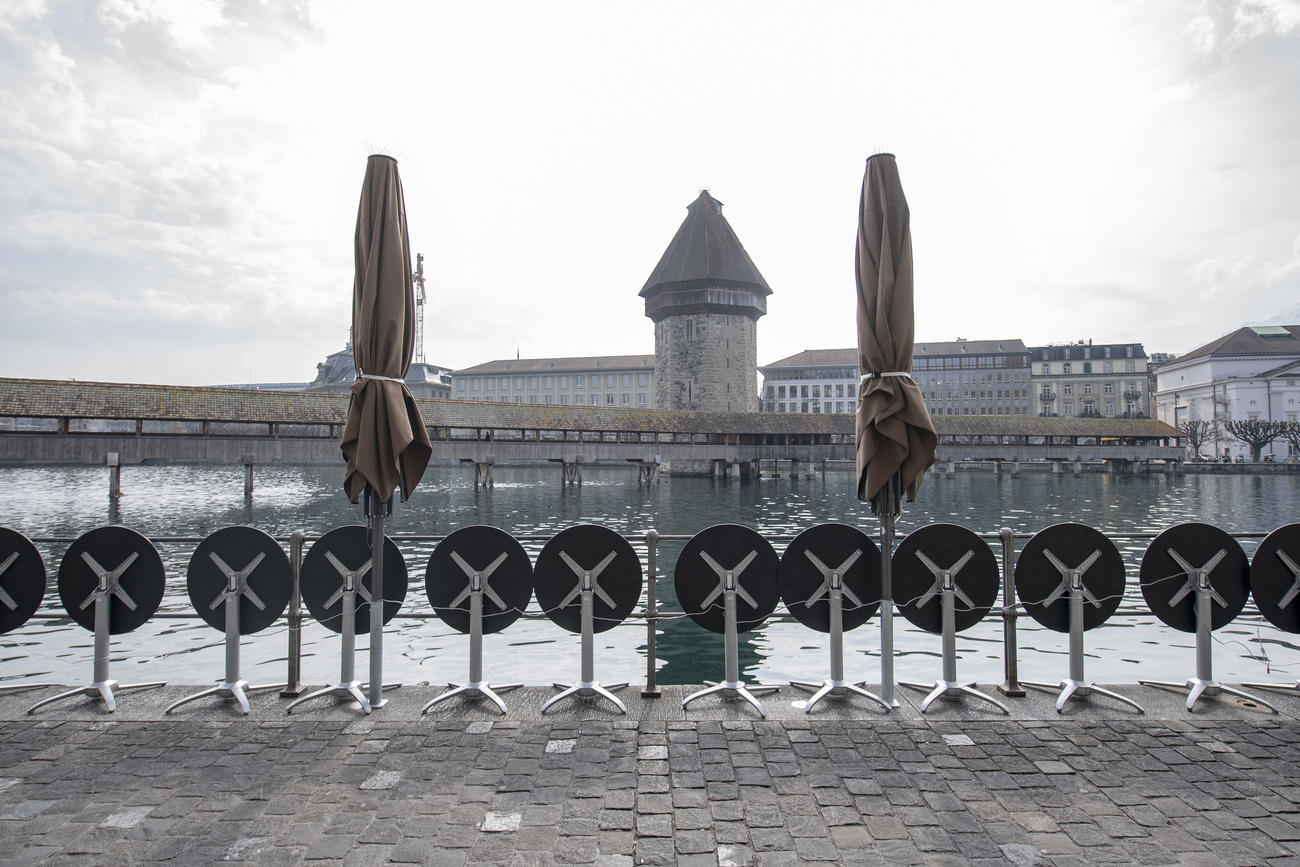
(607,559)
(258,566)
(701,576)
(919,563)
(1274,577)
(343,551)
(494,559)
(22,579)
(1043,575)
(815,558)
(1169,587)
(132,572)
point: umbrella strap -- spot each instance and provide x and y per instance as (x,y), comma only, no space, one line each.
(384,378)
(868,376)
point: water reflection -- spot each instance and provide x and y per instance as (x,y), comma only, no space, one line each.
(197,500)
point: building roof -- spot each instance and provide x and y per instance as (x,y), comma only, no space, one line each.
(830,357)
(1086,351)
(706,249)
(561,365)
(1250,340)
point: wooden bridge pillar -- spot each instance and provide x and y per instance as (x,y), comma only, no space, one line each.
(1058,468)
(114,474)
(482,470)
(570,469)
(647,469)
(794,468)
(248,477)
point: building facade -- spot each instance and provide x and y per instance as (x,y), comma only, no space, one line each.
(1107,380)
(961,377)
(1251,373)
(705,298)
(338,371)
(611,380)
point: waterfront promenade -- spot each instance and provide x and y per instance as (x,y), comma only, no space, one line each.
(710,785)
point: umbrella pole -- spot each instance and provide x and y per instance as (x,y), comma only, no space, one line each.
(887,607)
(375,511)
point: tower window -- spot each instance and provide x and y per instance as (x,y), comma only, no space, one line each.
(690,329)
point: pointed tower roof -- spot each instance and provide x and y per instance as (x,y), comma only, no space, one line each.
(706,250)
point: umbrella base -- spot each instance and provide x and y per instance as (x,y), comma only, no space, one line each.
(481,689)
(836,689)
(1198,688)
(102,689)
(732,689)
(238,690)
(953,690)
(350,690)
(587,689)
(1079,689)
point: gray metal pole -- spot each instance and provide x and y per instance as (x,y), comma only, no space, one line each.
(1010,653)
(293,682)
(651,613)
(887,607)
(376,602)
(232,633)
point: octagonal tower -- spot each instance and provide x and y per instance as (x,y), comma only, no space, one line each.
(705,297)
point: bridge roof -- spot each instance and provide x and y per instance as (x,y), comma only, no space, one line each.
(37,398)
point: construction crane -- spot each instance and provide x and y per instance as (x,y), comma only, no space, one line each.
(419,308)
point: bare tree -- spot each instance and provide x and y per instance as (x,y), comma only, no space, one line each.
(1198,433)
(1255,433)
(1291,433)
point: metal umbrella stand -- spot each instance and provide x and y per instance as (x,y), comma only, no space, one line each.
(895,437)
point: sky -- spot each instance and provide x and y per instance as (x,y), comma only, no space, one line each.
(179,179)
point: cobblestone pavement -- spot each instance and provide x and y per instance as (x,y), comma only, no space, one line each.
(599,788)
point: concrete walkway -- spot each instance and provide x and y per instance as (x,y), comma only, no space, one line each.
(710,785)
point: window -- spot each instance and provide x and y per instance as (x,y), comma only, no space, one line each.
(609,380)
(519,383)
(1110,408)
(564,400)
(640,399)
(627,399)
(460,385)
(1106,366)
(1087,367)
(532,398)
(1068,389)
(475,384)
(564,382)
(548,382)
(595,399)
(1087,389)
(627,380)
(643,380)
(853,391)
(1069,407)
(1108,388)
(532,383)
(609,399)
(780,392)
(803,392)
(1065,368)
(579,381)
(690,329)
(816,391)
(1047,369)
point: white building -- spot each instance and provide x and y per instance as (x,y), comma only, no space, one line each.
(961,377)
(1254,372)
(607,380)
(1106,380)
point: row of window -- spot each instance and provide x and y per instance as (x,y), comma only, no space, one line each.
(1087,388)
(953,362)
(839,406)
(1106,367)
(580,380)
(595,399)
(978,394)
(838,389)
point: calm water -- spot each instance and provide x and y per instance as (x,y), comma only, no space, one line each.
(195,501)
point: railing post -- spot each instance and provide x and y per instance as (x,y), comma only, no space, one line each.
(651,612)
(1010,660)
(293,682)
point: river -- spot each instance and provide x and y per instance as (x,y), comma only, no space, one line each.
(192,501)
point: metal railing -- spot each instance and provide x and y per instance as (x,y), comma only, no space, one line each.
(1005,538)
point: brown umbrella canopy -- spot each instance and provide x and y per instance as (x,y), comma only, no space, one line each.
(894,431)
(384,442)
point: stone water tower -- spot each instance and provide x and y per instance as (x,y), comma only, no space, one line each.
(705,297)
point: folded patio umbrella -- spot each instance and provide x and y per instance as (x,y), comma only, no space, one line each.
(895,437)
(385,442)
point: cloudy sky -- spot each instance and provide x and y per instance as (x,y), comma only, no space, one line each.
(179,180)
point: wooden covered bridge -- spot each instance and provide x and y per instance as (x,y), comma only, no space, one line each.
(58,421)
